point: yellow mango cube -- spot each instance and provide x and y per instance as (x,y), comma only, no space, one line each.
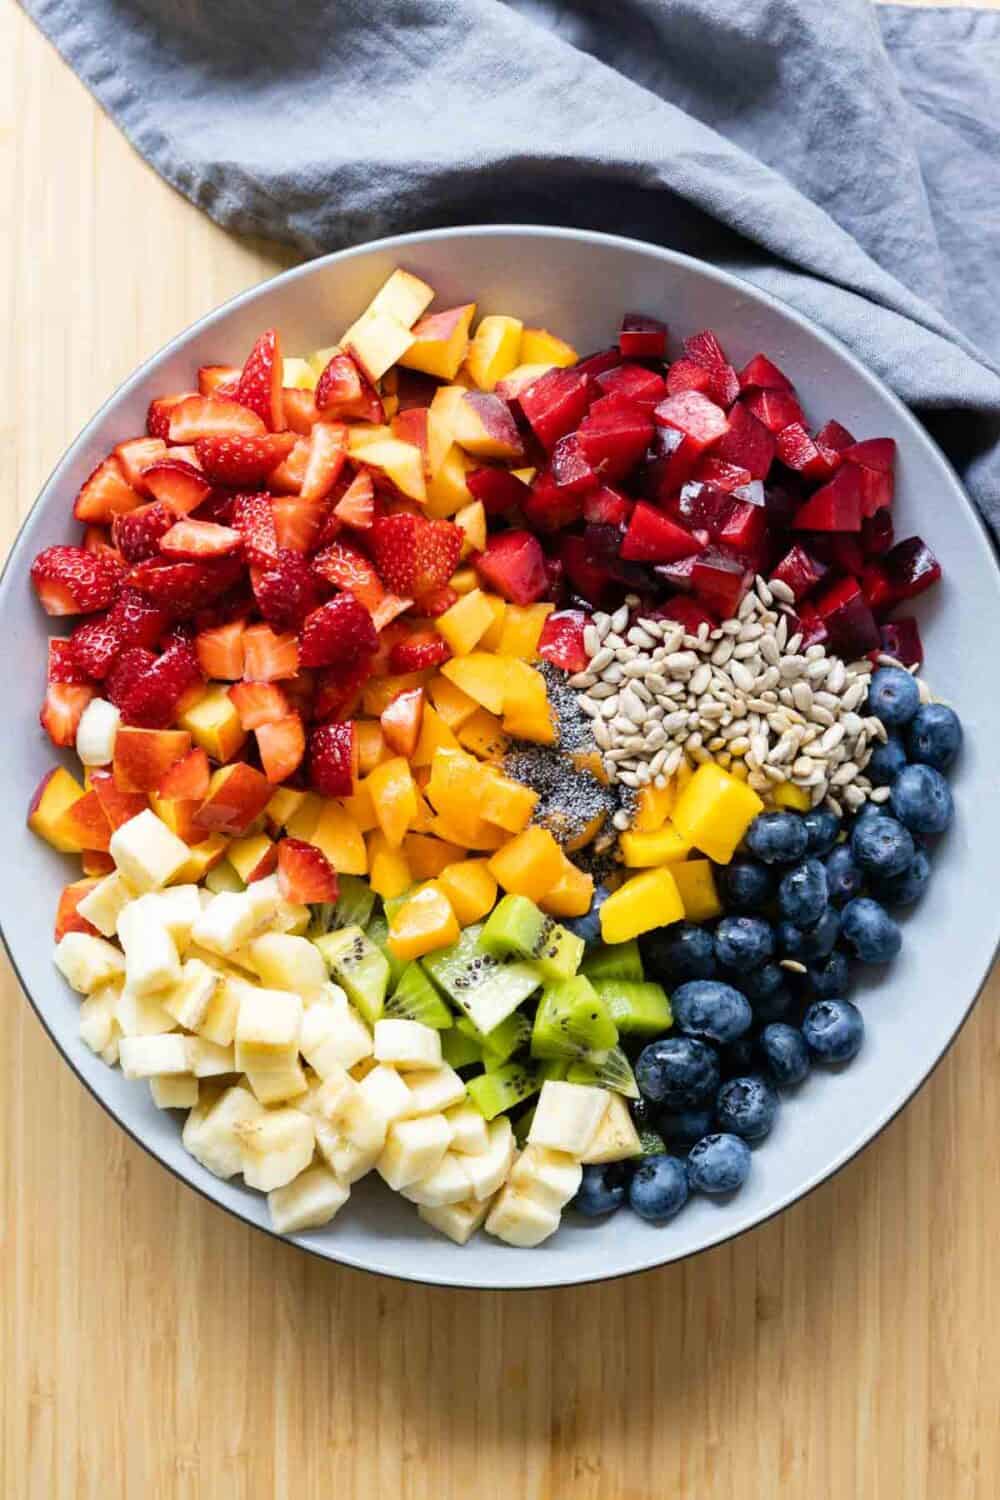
(490,640)
(493,352)
(642,851)
(471,889)
(360,807)
(427,856)
(454,705)
(654,806)
(380,691)
(526,712)
(464,625)
(482,676)
(372,748)
(474,835)
(471,522)
(507,803)
(454,790)
(423,923)
(795,798)
(522,627)
(530,864)
(213,723)
(301,822)
(572,895)
(463,581)
(483,736)
(696,882)
(389,872)
(394,798)
(284,805)
(714,811)
(540,347)
(646,901)
(340,838)
(434,735)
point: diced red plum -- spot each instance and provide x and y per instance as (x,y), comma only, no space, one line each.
(799,570)
(561,640)
(720,582)
(776,409)
(873,453)
(679,574)
(570,469)
(642,337)
(686,612)
(839,550)
(702,423)
(513,566)
(498,489)
(704,349)
(877,490)
(747,442)
(585,578)
(833,435)
(877,533)
(606,507)
(744,530)
(595,364)
(614,435)
(554,404)
(554,572)
(414,388)
(901,639)
(653,537)
(638,384)
(668,464)
(760,374)
(702,505)
(876,587)
(798,451)
(687,375)
(550,508)
(725,476)
(836,506)
(911,567)
(848,619)
(811,626)
(751,493)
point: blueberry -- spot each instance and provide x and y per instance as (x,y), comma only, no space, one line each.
(870,931)
(737,1058)
(921,798)
(831,977)
(659,1188)
(934,736)
(810,943)
(743,943)
(834,1030)
(881,846)
(718,1164)
(746,884)
(747,1107)
(709,1008)
(803,893)
(588,926)
(602,1188)
(775,1006)
(893,695)
(908,887)
(681,951)
(684,1126)
(778,838)
(871,810)
(886,762)
(785,1053)
(843,878)
(678,1072)
(763,982)
(822,829)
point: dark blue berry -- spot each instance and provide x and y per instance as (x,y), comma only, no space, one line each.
(747,885)
(686,1126)
(882,846)
(906,888)
(737,1058)
(786,1054)
(743,943)
(822,829)
(871,810)
(678,1072)
(921,798)
(708,1008)
(934,736)
(886,762)
(830,977)
(746,1107)
(775,1006)
(868,929)
(803,893)
(659,1188)
(679,952)
(718,1164)
(602,1189)
(762,982)
(807,944)
(834,1030)
(843,878)
(588,926)
(778,838)
(893,695)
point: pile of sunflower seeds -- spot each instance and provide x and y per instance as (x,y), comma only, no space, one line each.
(743,695)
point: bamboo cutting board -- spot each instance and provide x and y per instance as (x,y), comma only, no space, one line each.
(155,1349)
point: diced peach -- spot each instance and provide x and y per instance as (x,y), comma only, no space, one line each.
(471,889)
(482,676)
(338,835)
(483,736)
(282,744)
(572,895)
(84,824)
(410,426)
(213,722)
(428,856)
(303,818)
(522,628)
(540,347)
(441,418)
(495,350)
(254,857)
(518,380)
(440,342)
(283,805)
(53,797)
(454,705)
(471,522)
(464,624)
(423,924)
(402,463)
(530,864)
(118,807)
(448,489)
(403,297)
(394,798)
(144,756)
(389,872)
(178,814)
(379,692)
(485,427)
(68,919)
(237,795)
(401,722)
(424,817)
(187,777)
(434,735)
(201,858)
(506,802)
(376,340)
(94,862)
(220,651)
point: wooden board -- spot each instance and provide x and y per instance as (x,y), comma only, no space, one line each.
(154,1348)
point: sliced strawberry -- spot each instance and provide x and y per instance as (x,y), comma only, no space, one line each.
(268,657)
(338,691)
(402,720)
(346,567)
(282,744)
(136,620)
(183,453)
(63,709)
(305,874)
(389,607)
(220,651)
(130,668)
(414,555)
(158,414)
(301,410)
(333,759)
(106,493)
(259,385)
(215,380)
(136,456)
(327,455)
(98,539)
(258,703)
(356,506)
(185,587)
(137,535)
(96,645)
(287,478)
(253,518)
(285,590)
(343,390)
(200,539)
(62,663)
(73,581)
(212,417)
(187,779)
(178,485)
(561,640)
(243,461)
(298,522)
(151,701)
(338,632)
(435,602)
(425,648)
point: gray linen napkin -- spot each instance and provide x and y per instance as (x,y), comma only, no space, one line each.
(844,157)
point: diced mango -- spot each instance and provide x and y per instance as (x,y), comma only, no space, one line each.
(303,819)
(454,705)
(522,628)
(526,712)
(428,856)
(646,901)
(471,889)
(359,806)
(424,815)
(493,352)
(540,347)
(483,736)
(654,807)
(213,723)
(788,795)
(491,637)
(252,857)
(201,858)
(298,374)
(714,811)
(696,883)
(178,814)
(54,797)
(463,581)
(464,624)
(389,870)
(455,792)
(434,735)
(423,923)
(394,798)
(572,895)
(372,749)
(440,342)
(380,691)
(471,522)
(482,676)
(478,835)
(402,463)
(340,838)
(284,804)
(530,864)
(507,802)
(642,851)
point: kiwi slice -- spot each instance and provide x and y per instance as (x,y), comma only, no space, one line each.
(415,999)
(493,1093)
(378,933)
(500,1044)
(652,1144)
(523,1124)
(636,1009)
(459,1050)
(353,907)
(222,877)
(618,961)
(482,986)
(517,928)
(611,1070)
(572,1021)
(360,967)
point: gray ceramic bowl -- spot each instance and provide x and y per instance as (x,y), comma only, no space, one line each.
(577,284)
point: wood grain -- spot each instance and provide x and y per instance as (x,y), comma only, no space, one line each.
(155,1349)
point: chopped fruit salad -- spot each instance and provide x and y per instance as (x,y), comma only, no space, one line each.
(494,762)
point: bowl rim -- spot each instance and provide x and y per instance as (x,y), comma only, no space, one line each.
(328,1251)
